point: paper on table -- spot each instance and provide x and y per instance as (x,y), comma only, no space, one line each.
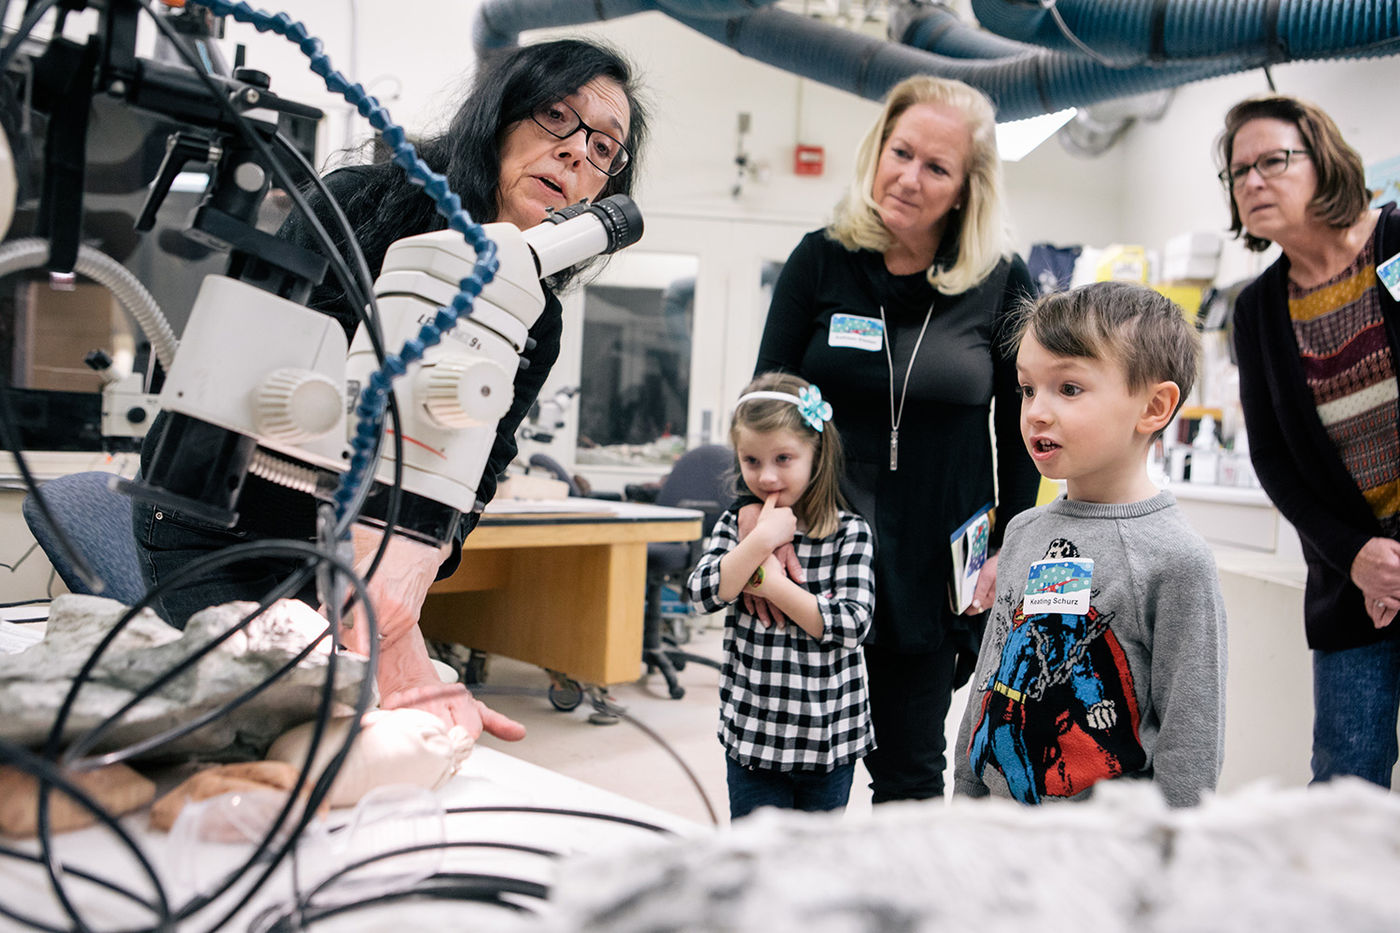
(549,506)
(16,638)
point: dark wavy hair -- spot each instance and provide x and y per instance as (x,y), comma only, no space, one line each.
(1341,195)
(384,207)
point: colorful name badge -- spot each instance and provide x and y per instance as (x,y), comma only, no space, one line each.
(1389,274)
(1059,586)
(856,333)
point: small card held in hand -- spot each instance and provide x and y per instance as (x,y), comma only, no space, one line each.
(969,547)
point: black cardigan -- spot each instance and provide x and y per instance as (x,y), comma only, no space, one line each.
(1297,463)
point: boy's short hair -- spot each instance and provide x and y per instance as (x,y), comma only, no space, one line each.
(1130,324)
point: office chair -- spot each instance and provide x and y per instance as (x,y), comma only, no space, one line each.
(97,520)
(696,481)
(555,469)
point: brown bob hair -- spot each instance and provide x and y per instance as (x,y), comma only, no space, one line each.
(1341,195)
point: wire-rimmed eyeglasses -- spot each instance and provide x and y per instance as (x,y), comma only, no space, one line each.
(605,153)
(1274,162)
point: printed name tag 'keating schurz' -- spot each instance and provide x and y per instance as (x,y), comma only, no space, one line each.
(1059,586)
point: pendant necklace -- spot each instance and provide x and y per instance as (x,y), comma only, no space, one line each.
(896,414)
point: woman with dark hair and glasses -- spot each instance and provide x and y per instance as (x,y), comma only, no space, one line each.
(1316,336)
(544,127)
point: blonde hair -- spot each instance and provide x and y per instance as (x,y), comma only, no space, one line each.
(981,223)
(820,504)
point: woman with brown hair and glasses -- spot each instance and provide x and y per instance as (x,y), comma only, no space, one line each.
(1316,336)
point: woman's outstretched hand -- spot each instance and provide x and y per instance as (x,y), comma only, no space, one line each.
(406,675)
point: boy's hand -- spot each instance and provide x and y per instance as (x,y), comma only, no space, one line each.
(986,589)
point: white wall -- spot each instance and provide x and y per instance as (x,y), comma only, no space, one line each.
(1169,167)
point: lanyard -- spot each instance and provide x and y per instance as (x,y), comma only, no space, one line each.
(897,414)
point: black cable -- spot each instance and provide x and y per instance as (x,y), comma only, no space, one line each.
(364,306)
(614,709)
(460,886)
(347,280)
(97,880)
(564,811)
(26,602)
(304,902)
(22,558)
(441,885)
(322,786)
(50,777)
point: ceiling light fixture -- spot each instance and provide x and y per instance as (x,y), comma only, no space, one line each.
(1017,138)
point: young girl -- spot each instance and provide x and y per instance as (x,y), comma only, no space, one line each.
(794,709)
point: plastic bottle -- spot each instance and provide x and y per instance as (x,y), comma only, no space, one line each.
(1205,452)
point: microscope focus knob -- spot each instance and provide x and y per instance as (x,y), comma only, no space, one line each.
(463,392)
(297,405)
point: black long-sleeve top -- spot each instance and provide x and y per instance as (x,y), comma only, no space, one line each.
(1296,461)
(946,455)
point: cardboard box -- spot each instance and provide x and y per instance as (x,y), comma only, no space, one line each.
(55,330)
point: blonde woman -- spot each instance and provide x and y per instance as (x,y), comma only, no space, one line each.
(897,310)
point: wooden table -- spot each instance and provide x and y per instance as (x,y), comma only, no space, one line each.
(561,585)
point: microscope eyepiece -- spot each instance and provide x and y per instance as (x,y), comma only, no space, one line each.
(574,233)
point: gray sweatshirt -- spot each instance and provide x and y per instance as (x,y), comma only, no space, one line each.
(1104,656)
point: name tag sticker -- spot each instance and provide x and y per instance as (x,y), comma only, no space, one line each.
(1389,274)
(1059,586)
(857,333)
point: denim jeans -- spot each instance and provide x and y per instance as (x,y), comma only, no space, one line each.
(1356,698)
(751,788)
(167,541)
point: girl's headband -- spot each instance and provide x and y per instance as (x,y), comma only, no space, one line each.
(808,401)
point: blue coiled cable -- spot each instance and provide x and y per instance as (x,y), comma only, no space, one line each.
(374,396)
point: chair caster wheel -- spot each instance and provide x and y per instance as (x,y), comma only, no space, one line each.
(565,694)
(677,692)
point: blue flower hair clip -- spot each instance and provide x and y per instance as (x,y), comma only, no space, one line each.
(814,411)
(809,404)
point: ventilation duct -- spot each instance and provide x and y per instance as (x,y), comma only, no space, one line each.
(934,27)
(1137,32)
(1035,81)
(1096,129)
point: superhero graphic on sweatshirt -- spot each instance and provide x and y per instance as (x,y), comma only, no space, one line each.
(1058,710)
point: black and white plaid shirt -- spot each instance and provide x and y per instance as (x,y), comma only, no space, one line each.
(789,701)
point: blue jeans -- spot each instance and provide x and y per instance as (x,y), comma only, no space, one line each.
(167,541)
(816,791)
(1356,698)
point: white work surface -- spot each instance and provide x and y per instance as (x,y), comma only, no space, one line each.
(488,778)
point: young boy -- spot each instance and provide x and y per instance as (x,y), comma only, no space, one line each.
(1105,655)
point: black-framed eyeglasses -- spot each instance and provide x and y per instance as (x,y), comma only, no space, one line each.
(1274,162)
(605,153)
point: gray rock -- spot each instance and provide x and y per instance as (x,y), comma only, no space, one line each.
(33,683)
